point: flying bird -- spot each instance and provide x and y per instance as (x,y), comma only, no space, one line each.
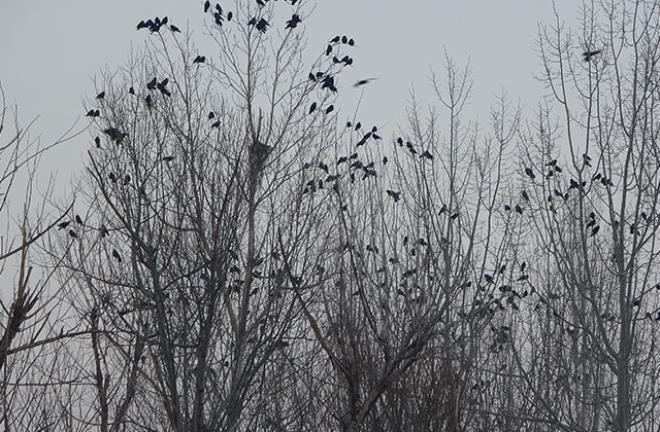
(588,55)
(293,22)
(363,82)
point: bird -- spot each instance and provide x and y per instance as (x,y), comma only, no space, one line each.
(149,101)
(312,107)
(63,225)
(262,25)
(252,21)
(215,124)
(351,42)
(335,39)
(168,159)
(175,29)
(131,90)
(211,115)
(142,24)
(588,55)
(293,22)
(344,39)
(162,87)
(116,255)
(525,196)
(93,113)
(358,125)
(396,196)
(363,82)
(207,5)
(329,83)
(230,15)
(79,219)
(328,50)
(530,173)
(329,109)
(112,177)
(199,59)
(151,85)
(100,95)
(595,230)
(426,155)
(73,234)
(97,140)
(518,209)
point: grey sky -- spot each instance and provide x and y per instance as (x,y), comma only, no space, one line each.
(50,50)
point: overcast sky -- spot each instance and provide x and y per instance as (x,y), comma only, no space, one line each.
(51,50)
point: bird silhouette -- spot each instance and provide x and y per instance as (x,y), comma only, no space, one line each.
(215,124)
(396,196)
(335,39)
(328,50)
(168,159)
(252,21)
(63,225)
(162,86)
(329,109)
(79,219)
(93,113)
(329,83)
(519,209)
(262,25)
(207,5)
(588,55)
(73,234)
(151,85)
(351,42)
(112,177)
(525,196)
(174,29)
(211,115)
(100,95)
(344,39)
(149,101)
(131,90)
(97,140)
(230,15)
(530,173)
(116,255)
(426,155)
(293,22)
(312,107)
(142,24)
(363,82)
(199,59)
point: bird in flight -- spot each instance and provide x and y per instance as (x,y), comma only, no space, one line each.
(588,55)
(293,22)
(363,82)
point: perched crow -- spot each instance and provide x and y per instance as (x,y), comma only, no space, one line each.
(73,234)
(329,109)
(344,39)
(175,29)
(112,177)
(230,15)
(199,59)
(335,39)
(151,85)
(215,124)
(79,219)
(396,196)
(519,209)
(93,113)
(142,24)
(427,155)
(63,225)
(363,82)
(329,83)
(588,55)
(211,115)
(162,87)
(207,5)
(116,255)
(131,90)
(217,16)
(328,50)
(293,22)
(100,95)
(312,107)
(525,196)
(252,21)
(530,173)
(97,140)
(351,42)
(262,25)
(149,101)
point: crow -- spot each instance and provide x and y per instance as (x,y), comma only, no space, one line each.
(427,155)
(329,109)
(293,22)
(328,50)
(116,255)
(149,101)
(519,209)
(142,24)
(97,140)
(207,5)
(79,219)
(63,225)
(217,16)
(351,42)
(335,39)
(168,159)
(358,125)
(363,82)
(92,113)
(595,230)
(344,39)
(162,87)
(100,95)
(215,124)
(151,85)
(262,25)
(396,196)
(199,59)
(530,173)
(112,177)
(230,15)
(175,29)
(312,107)
(252,21)
(73,234)
(507,207)
(525,196)
(131,90)
(588,55)
(211,115)
(329,83)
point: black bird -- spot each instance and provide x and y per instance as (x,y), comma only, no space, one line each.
(293,22)
(363,82)
(151,85)
(595,230)
(312,107)
(149,101)
(519,209)
(588,55)
(329,83)
(525,196)
(552,163)
(100,95)
(175,29)
(342,159)
(230,15)
(312,77)
(115,134)
(335,39)
(507,207)
(116,255)
(351,42)
(131,90)
(199,59)
(168,159)
(142,24)
(395,195)
(261,3)
(211,115)
(530,173)
(329,109)
(385,160)
(93,113)
(79,219)
(215,124)
(217,16)
(97,140)
(328,50)
(427,155)
(358,125)
(63,225)
(162,87)
(112,177)
(252,21)
(73,234)
(262,25)
(344,39)
(207,5)
(104,231)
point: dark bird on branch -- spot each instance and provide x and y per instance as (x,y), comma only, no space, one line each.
(175,29)
(363,82)
(211,115)
(595,230)
(100,95)
(344,39)
(216,124)
(396,196)
(131,90)
(427,155)
(79,219)
(293,22)
(351,42)
(151,85)
(63,225)
(199,59)
(588,55)
(329,83)
(252,21)
(312,107)
(142,24)
(230,15)
(162,86)
(97,140)
(149,101)
(262,25)
(329,109)
(116,255)
(519,209)
(335,39)
(112,177)
(207,5)
(525,196)
(530,173)
(168,159)
(73,234)
(93,113)
(328,50)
